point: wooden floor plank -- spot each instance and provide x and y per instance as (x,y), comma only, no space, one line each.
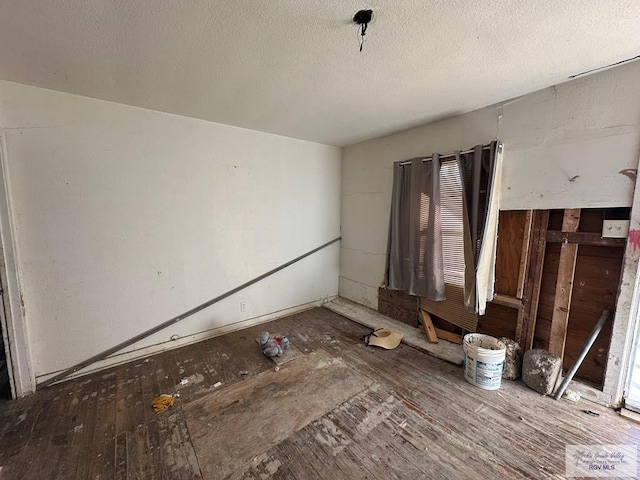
(253,414)
(326,466)
(94,455)
(84,432)
(41,440)
(330,444)
(418,417)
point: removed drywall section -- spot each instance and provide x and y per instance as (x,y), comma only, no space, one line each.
(596,280)
(565,147)
(126,217)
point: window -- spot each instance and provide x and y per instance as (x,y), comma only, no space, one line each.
(443,226)
(452,225)
(452,214)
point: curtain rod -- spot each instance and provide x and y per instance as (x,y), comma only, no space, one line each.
(448,155)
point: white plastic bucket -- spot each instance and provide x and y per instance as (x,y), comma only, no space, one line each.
(483,360)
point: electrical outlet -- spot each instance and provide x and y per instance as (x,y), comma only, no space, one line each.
(243,306)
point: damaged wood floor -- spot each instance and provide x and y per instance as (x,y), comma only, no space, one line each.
(415,417)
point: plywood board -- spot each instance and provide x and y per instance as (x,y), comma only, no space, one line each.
(512,233)
(260,412)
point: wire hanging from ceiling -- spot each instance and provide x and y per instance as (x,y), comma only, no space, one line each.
(363,18)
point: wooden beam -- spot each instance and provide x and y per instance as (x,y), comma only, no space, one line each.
(564,285)
(449,336)
(507,301)
(427,327)
(524,256)
(526,322)
(584,238)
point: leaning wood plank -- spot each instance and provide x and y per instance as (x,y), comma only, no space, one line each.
(230,426)
(524,255)
(526,322)
(449,336)
(413,337)
(564,285)
(427,327)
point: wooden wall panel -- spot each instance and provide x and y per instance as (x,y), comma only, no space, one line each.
(501,317)
(555,219)
(595,288)
(591,220)
(596,284)
(547,296)
(499,321)
(398,305)
(511,232)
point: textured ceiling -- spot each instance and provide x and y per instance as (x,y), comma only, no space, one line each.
(292,67)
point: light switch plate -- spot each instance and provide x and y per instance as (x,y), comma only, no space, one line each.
(615,228)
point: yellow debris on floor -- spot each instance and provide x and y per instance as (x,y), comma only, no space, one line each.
(162,402)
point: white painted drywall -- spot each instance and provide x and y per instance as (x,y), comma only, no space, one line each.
(565,146)
(126,217)
(14,329)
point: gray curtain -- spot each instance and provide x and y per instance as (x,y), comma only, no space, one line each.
(476,170)
(414,249)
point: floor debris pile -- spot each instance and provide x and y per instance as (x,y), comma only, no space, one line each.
(162,402)
(273,345)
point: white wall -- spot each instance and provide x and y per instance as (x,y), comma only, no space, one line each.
(124,218)
(565,146)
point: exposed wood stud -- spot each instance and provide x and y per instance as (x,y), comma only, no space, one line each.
(564,285)
(507,301)
(584,238)
(531,294)
(427,327)
(524,258)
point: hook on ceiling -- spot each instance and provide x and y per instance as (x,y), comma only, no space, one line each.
(363,18)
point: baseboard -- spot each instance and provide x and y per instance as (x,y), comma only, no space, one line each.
(631,415)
